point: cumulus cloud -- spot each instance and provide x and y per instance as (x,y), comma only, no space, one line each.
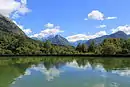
(50,29)
(125,28)
(97,15)
(77,37)
(101,26)
(26,31)
(13,8)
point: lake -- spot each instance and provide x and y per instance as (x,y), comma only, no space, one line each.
(64,72)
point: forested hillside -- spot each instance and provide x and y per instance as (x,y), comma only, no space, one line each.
(13,41)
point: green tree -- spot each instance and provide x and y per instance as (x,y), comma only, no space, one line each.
(47,44)
(79,47)
(98,49)
(108,49)
(92,47)
(84,48)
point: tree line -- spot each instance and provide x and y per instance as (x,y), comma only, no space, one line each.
(110,46)
(19,45)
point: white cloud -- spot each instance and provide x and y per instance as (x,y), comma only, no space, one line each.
(97,15)
(110,18)
(101,26)
(49,25)
(125,28)
(13,8)
(51,29)
(77,37)
(26,31)
(24,1)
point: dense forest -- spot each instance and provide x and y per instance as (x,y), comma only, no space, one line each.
(14,44)
(109,46)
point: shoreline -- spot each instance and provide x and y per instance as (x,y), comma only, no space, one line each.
(78,55)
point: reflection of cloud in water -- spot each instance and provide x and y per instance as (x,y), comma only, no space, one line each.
(113,84)
(53,72)
(50,74)
(27,72)
(100,68)
(122,72)
(99,85)
(74,64)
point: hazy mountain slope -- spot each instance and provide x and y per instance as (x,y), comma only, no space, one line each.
(119,34)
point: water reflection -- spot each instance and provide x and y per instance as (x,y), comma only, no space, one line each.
(74,64)
(122,72)
(64,72)
(50,74)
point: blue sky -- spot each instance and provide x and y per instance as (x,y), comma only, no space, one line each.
(41,18)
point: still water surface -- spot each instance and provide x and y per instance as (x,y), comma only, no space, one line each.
(64,72)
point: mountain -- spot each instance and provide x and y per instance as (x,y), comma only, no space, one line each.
(13,41)
(77,42)
(58,40)
(6,25)
(119,34)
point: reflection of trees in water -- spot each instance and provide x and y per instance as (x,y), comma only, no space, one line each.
(12,68)
(108,63)
(9,72)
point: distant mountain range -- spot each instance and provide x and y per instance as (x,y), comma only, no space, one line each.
(6,25)
(55,39)
(59,40)
(119,34)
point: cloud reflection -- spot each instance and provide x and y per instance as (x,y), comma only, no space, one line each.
(74,64)
(122,72)
(50,74)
